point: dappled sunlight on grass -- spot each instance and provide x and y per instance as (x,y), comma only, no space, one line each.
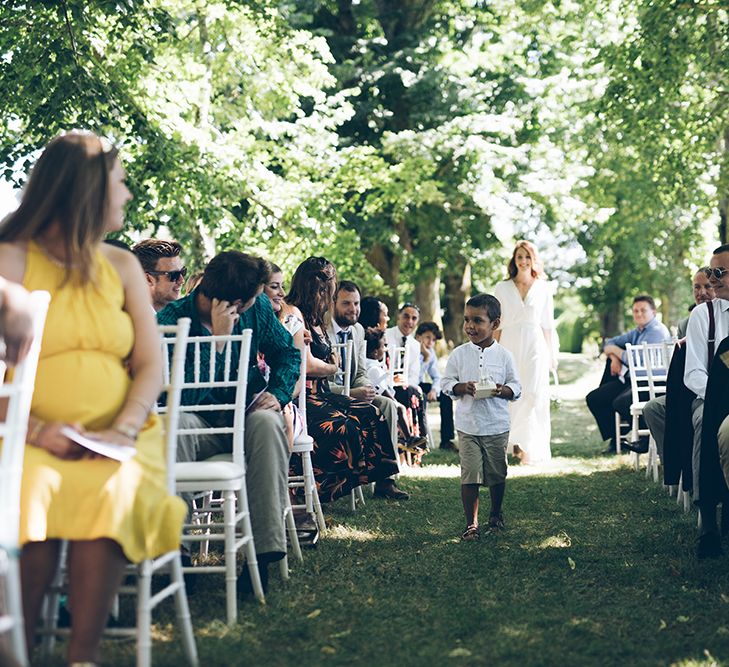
(342,532)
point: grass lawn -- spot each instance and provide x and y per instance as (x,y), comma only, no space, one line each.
(596,567)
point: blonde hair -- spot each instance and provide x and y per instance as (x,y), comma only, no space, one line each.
(69,184)
(537,268)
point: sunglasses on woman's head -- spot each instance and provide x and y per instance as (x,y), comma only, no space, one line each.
(174,276)
(718,273)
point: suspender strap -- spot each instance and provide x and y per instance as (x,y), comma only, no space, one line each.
(712,331)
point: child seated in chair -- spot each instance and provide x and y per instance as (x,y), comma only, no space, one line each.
(380,379)
(481,378)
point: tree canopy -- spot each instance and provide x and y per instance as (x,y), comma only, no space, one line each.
(408,141)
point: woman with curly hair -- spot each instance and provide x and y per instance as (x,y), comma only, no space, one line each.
(352,444)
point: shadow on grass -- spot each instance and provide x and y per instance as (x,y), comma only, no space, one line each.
(592,570)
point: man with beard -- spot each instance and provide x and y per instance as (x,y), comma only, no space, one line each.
(345,327)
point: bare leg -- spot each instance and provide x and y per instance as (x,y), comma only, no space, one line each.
(38,563)
(497,498)
(469,497)
(95,572)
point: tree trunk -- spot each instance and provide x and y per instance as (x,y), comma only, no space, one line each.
(387,264)
(611,321)
(427,296)
(724,200)
(457,281)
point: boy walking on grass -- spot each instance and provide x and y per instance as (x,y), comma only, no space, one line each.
(485,369)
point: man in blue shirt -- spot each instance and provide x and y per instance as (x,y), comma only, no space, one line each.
(613,395)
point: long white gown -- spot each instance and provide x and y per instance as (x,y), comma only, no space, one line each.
(522,325)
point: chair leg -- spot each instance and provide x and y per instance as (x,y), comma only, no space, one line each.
(144,614)
(230,557)
(319,513)
(617,433)
(52,604)
(352,501)
(182,609)
(293,535)
(360,495)
(250,547)
(15,609)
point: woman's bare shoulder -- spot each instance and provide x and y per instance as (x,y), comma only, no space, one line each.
(124,261)
(12,260)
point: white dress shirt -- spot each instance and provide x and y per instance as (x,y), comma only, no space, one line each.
(394,338)
(696,372)
(470,363)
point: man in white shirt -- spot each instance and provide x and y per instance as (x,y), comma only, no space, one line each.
(654,411)
(696,375)
(402,335)
(344,327)
(163,269)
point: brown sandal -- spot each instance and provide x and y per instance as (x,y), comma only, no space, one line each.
(471,534)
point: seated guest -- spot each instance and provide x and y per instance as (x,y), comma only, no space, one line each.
(227,301)
(192,281)
(654,411)
(16,322)
(407,389)
(163,269)
(345,327)
(426,334)
(100,371)
(352,443)
(373,313)
(379,376)
(699,357)
(613,395)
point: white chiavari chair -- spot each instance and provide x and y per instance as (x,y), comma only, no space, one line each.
(16,394)
(174,347)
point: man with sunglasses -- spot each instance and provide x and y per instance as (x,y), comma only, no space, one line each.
(696,376)
(163,269)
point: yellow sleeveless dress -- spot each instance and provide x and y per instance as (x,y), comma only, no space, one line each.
(81,378)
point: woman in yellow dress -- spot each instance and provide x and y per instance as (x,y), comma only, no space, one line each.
(99,373)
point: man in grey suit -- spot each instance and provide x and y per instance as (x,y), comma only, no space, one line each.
(345,327)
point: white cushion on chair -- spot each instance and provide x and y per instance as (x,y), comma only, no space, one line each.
(303,443)
(194,471)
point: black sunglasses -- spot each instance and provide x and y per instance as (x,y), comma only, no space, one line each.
(174,276)
(717,273)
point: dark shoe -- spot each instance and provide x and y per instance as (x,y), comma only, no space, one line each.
(725,519)
(447,445)
(307,530)
(385,490)
(244,585)
(419,444)
(191,578)
(709,546)
(496,523)
(639,447)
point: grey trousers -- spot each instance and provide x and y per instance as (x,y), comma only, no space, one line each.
(654,413)
(388,408)
(697,416)
(267,468)
(723,439)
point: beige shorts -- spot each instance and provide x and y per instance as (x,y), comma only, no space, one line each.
(483,458)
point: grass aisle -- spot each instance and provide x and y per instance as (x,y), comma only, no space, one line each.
(596,568)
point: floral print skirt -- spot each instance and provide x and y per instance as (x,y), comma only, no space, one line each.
(352,444)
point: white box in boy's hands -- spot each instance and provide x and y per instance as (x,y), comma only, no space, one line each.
(484,388)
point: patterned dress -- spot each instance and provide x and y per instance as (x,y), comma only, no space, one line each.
(352,444)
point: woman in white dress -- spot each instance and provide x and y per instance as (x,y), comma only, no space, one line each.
(527,331)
